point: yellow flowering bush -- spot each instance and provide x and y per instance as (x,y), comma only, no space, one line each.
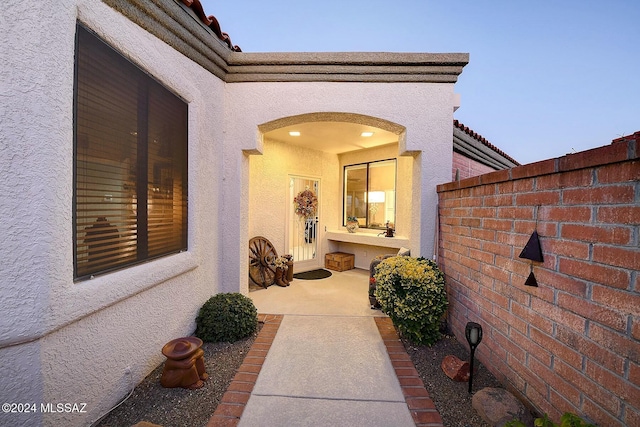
(411,292)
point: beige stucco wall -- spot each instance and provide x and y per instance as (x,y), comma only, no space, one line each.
(425,110)
(62,341)
(269,189)
(268,194)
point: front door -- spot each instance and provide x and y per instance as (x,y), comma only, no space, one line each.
(303,221)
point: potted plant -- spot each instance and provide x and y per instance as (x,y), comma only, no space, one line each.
(352,224)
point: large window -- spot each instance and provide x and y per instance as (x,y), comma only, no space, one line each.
(370,193)
(130,172)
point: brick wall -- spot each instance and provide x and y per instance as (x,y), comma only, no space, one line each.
(467,167)
(573,343)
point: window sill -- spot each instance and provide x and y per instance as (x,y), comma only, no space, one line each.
(369,239)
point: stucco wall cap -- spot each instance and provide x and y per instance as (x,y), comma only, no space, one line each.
(177,25)
(346,66)
(362,58)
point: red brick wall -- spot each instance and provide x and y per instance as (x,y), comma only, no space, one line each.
(573,343)
(467,167)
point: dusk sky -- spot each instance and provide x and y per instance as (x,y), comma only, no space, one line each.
(544,79)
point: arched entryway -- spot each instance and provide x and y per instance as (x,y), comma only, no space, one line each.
(312,147)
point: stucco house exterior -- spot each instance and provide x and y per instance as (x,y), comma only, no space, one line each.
(70,332)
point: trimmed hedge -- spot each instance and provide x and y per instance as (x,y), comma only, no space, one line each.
(226,317)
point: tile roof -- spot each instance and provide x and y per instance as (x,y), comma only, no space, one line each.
(211,22)
(483,140)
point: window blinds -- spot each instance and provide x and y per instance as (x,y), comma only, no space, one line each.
(130,162)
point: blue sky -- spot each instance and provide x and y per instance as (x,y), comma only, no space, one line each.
(544,79)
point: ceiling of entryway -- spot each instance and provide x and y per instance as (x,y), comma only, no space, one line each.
(332,137)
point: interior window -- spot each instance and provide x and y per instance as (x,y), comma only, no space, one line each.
(370,193)
(130,168)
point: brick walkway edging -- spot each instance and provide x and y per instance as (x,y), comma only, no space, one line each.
(420,404)
(234,400)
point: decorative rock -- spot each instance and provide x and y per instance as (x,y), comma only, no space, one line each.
(455,368)
(497,406)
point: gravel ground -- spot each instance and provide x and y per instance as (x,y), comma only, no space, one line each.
(450,397)
(178,407)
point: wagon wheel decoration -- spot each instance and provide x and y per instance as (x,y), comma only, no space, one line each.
(262,254)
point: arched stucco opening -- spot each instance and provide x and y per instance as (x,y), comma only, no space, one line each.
(333,117)
(281,156)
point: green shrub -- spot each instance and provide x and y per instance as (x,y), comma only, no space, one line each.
(226,317)
(567,420)
(411,292)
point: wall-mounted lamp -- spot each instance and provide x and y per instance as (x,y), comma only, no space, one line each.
(473,333)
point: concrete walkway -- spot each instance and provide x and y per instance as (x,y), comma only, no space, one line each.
(325,358)
(325,370)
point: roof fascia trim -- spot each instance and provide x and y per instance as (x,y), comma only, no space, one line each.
(178,26)
(347,66)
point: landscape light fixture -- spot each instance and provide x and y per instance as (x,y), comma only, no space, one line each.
(473,333)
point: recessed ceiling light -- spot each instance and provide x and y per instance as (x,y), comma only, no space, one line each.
(366,134)
(294,133)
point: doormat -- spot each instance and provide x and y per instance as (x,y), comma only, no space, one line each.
(313,274)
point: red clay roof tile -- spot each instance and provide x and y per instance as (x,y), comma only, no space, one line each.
(482,140)
(211,22)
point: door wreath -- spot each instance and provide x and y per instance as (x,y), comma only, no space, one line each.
(306,204)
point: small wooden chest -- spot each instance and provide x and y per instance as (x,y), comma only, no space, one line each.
(339,261)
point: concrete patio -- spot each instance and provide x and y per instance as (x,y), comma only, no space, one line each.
(343,294)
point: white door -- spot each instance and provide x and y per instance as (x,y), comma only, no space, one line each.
(303,222)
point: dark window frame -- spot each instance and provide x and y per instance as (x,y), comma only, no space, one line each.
(160,171)
(368,220)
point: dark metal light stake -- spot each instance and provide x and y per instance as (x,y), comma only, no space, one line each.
(473,333)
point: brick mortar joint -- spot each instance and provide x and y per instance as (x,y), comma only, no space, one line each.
(476,181)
